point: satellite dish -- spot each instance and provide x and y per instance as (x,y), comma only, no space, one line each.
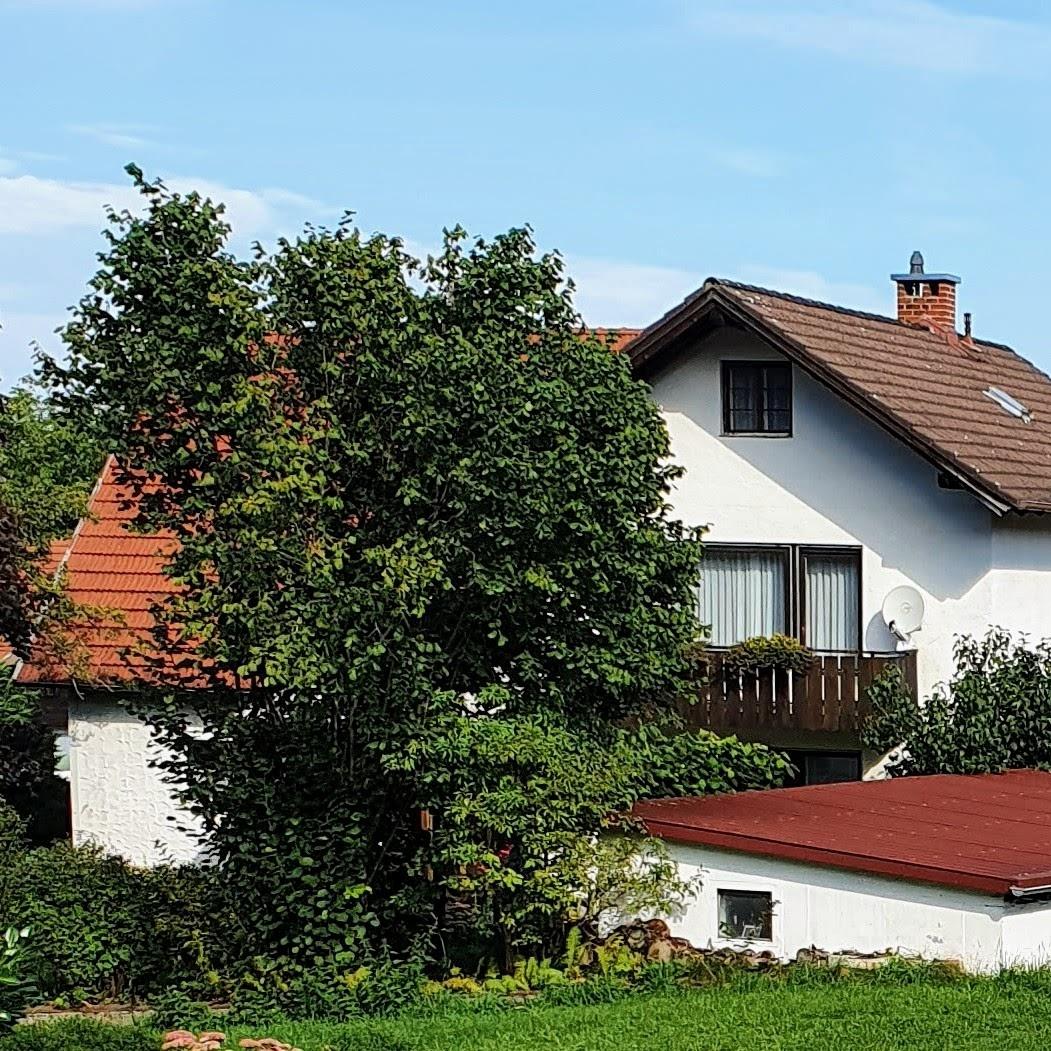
(903,611)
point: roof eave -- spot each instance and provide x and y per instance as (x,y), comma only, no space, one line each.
(690,835)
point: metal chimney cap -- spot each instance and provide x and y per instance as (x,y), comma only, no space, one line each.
(916,274)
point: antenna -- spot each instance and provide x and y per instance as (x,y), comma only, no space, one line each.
(903,611)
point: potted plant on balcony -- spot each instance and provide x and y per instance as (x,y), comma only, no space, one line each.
(768,653)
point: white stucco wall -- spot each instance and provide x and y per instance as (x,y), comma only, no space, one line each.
(118,800)
(1026,940)
(838,910)
(841,479)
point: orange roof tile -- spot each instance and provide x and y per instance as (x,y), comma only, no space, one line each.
(121,575)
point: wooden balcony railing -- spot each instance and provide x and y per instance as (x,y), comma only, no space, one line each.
(829,696)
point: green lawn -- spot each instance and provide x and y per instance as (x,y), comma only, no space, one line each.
(961,1016)
(1007,1014)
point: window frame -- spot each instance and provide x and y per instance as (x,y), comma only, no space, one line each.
(805,551)
(794,557)
(727,366)
(752,892)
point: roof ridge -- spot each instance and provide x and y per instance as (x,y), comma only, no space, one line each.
(838,308)
(806,301)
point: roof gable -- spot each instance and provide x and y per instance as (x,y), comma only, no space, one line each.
(926,387)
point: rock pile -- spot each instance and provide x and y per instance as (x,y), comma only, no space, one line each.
(653,940)
(184,1040)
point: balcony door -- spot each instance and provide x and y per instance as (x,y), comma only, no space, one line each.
(813,593)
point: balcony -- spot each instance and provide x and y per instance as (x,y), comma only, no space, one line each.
(830,696)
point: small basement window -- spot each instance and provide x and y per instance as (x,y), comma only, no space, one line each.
(824,768)
(757,398)
(747,915)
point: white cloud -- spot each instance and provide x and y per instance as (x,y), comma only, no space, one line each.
(125,136)
(917,34)
(33,205)
(812,285)
(609,292)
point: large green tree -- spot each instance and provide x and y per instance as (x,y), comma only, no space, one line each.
(48,462)
(428,563)
(47,465)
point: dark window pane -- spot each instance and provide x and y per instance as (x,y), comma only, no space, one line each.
(824,768)
(746,914)
(757,398)
(830,769)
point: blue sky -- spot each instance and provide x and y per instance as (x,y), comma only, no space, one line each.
(802,144)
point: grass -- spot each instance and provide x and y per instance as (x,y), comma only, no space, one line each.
(1008,1013)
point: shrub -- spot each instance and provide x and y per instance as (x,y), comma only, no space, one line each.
(12,833)
(994,714)
(15,986)
(28,782)
(175,1009)
(273,992)
(671,762)
(81,1034)
(103,928)
(763,653)
(85,910)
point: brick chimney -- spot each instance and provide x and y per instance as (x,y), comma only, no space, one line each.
(925,299)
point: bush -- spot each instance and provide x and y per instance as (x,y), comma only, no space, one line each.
(994,714)
(81,1034)
(277,992)
(15,987)
(85,910)
(762,653)
(28,782)
(103,928)
(671,762)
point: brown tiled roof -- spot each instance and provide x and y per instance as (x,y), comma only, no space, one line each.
(925,386)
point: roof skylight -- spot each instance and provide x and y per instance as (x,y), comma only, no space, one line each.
(1010,405)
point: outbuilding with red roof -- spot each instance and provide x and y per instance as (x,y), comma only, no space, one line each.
(948,867)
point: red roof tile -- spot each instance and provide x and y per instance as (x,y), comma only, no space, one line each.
(987,833)
(121,574)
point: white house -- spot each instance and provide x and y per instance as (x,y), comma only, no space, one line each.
(834,455)
(944,868)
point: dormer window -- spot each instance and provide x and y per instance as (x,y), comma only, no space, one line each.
(757,398)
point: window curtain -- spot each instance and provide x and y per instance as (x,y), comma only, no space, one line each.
(742,594)
(831,602)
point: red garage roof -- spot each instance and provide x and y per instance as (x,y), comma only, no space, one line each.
(989,833)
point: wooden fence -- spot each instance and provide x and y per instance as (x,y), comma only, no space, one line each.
(829,696)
